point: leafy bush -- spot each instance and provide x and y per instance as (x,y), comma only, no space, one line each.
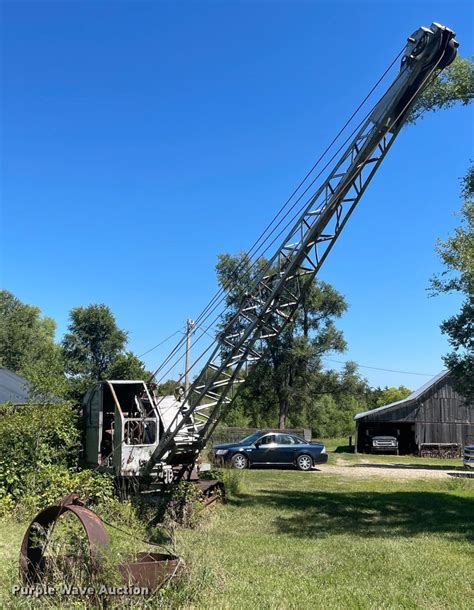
(39,451)
(34,436)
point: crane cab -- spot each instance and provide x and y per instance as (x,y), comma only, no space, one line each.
(123,424)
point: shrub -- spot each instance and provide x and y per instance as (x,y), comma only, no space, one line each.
(52,482)
(39,451)
(34,436)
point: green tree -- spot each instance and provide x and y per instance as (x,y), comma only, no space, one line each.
(338,396)
(27,347)
(24,332)
(94,349)
(385,396)
(91,345)
(454,85)
(295,355)
(167,388)
(127,366)
(457,254)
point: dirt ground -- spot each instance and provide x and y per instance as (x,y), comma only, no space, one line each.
(400,472)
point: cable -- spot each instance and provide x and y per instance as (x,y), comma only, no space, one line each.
(169,551)
(279,234)
(296,214)
(206,312)
(135,537)
(419,89)
(377,368)
(247,256)
(161,343)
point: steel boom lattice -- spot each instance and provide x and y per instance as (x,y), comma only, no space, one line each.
(278,290)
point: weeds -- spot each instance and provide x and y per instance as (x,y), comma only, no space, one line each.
(295,540)
(233,479)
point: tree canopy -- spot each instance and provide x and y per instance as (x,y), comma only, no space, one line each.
(93,341)
(24,332)
(387,395)
(27,346)
(457,254)
(285,376)
(94,349)
(454,85)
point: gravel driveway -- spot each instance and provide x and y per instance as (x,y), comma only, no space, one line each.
(363,469)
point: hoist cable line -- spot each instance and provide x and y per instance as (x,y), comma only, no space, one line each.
(377,368)
(295,214)
(254,248)
(373,136)
(219,297)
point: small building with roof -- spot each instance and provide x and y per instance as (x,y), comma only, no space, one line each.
(433,416)
(13,388)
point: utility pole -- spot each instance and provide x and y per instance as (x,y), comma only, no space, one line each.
(189,329)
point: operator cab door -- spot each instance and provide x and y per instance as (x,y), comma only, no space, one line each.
(286,448)
(264,451)
(93,416)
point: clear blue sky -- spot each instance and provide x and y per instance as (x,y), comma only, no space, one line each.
(141,139)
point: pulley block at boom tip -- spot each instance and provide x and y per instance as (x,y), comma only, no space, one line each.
(428,51)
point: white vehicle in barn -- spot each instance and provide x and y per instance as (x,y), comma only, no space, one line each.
(468,456)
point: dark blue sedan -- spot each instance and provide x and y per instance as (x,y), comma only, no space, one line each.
(269,448)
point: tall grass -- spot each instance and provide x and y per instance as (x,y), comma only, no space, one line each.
(289,539)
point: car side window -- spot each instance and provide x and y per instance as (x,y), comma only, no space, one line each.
(285,439)
(267,440)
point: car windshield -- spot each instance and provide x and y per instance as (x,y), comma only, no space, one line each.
(249,440)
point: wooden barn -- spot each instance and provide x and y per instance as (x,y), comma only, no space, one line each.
(433,420)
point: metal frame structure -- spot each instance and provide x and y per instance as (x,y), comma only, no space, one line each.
(270,303)
(279,289)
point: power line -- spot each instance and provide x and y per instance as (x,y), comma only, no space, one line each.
(376,368)
(161,343)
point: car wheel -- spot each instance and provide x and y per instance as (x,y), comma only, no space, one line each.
(304,462)
(240,461)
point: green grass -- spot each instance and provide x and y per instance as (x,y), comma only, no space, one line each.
(299,540)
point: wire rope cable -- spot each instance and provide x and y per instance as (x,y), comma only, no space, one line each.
(415,93)
(220,296)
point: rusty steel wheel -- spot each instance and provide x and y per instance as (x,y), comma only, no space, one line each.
(304,462)
(240,461)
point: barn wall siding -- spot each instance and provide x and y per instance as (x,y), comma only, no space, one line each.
(445,433)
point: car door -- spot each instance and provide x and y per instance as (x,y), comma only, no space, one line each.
(286,448)
(264,448)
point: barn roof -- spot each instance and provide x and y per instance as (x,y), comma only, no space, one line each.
(13,388)
(411,398)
